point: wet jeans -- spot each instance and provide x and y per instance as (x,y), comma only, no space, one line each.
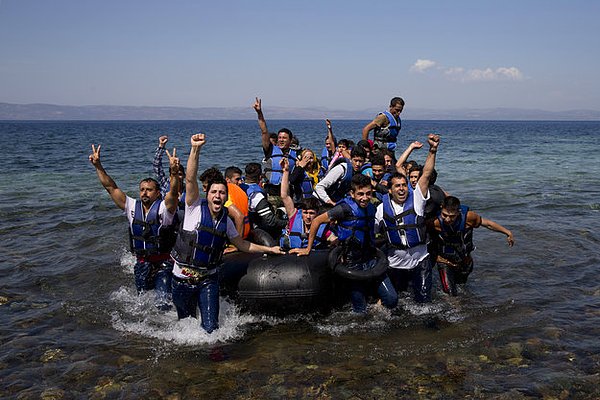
(188,297)
(155,276)
(420,277)
(384,288)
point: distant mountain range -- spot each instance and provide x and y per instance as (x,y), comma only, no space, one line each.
(55,112)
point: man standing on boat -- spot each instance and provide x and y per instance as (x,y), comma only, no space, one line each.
(200,245)
(150,227)
(386,126)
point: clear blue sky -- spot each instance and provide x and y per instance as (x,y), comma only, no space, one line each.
(337,54)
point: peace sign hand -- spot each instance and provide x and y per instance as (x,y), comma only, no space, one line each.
(257,105)
(173,161)
(95,156)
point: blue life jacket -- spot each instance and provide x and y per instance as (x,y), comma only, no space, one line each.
(326,158)
(296,237)
(252,189)
(358,230)
(203,247)
(406,229)
(367,170)
(307,186)
(389,134)
(339,189)
(146,236)
(272,168)
(456,239)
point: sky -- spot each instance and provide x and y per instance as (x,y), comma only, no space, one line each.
(347,54)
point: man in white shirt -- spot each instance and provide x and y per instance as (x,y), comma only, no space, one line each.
(200,244)
(150,227)
(400,217)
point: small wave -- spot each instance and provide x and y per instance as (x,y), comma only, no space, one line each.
(137,315)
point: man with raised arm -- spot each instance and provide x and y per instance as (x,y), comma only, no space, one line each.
(329,149)
(200,245)
(150,227)
(386,126)
(274,153)
(400,218)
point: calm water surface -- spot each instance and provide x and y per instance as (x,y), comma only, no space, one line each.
(526,326)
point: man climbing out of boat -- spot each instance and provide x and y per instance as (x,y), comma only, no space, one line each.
(452,233)
(386,126)
(151,232)
(200,244)
(355,218)
(274,153)
(336,184)
(400,218)
(300,219)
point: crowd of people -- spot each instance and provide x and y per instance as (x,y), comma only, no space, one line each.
(384,217)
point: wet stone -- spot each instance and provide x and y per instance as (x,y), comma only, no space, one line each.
(52,355)
(3,300)
(124,360)
(105,386)
(52,394)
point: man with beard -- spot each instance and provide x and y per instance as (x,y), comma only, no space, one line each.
(150,227)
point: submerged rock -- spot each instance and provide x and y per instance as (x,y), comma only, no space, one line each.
(52,355)
(52,394)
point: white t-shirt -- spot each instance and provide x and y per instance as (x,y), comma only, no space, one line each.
(164,216)
(193,216)
(411,257)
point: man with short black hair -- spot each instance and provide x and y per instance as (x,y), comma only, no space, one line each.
(386,126)
(336,184)
(400,217)
(355,220)
(200,245)
(150,227)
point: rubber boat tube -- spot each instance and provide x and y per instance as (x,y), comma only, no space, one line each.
(343,271)
(287,284)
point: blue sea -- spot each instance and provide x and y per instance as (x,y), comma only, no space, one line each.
(526,325)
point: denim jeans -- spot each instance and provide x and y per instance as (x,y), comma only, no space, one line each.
(188,297)
(384,288)
(155,276)
(420,277)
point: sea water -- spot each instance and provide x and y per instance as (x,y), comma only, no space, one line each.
(526,325)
